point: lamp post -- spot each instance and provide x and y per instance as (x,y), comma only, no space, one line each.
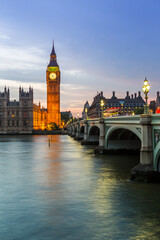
(78,116)
(146,88)
(102,106)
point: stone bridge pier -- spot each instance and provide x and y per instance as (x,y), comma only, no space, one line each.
(85,139)
(101,148)
(78,136)
(144,171)
(73,131)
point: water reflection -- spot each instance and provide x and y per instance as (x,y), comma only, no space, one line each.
(63,191)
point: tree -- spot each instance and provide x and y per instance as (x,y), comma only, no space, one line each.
(138,111)
(52,126)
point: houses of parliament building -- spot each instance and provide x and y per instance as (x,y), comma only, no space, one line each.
(23,116)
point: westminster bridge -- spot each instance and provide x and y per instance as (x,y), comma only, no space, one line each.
(124,134)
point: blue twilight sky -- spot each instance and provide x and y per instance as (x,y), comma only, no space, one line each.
(105,45)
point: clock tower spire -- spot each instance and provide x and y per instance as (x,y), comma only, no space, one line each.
(53,89)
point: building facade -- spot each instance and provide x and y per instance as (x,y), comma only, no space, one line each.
(53,90)
(94,111)
(85,110)
(23,116)
(16,116)
(124,106)
(155,104)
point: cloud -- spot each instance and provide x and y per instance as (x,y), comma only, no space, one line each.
(17,84)
(72,71)
(5,37)
(39,89)
(20,58)
(72,96)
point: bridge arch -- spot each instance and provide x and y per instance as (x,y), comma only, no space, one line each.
(123,138)
(93,133)
(157,162)
(81,132)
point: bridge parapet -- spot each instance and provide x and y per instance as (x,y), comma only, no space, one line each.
(123,119)
(155,119)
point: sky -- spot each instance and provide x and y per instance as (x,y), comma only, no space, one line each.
(104,45)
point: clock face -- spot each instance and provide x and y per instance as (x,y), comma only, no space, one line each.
(52,76)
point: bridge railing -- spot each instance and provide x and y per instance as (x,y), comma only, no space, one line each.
(120,119)
(135,119)
(155,118)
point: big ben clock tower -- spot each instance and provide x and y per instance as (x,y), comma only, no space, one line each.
(53,90)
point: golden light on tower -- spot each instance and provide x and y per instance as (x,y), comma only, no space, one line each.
(86,113)
(53,90)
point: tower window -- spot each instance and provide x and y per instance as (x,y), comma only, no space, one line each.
(25,104)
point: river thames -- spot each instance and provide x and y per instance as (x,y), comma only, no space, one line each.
(65,192)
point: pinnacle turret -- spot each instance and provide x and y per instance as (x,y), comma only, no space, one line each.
(53,51)
(53,60)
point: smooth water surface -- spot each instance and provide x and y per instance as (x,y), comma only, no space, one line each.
(65,192)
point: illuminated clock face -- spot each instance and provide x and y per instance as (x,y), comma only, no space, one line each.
(52,76)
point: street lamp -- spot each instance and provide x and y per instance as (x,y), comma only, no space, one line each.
(102,106)
(78,116)
(146,88)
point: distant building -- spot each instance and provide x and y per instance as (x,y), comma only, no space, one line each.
(152,106)
(124,105)
(85,110)
(157,100)
(94,109)
(23,116)
(155,104)
(65,117)
(16,116)
(53,90)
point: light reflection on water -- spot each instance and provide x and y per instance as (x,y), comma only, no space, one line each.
(66,192)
